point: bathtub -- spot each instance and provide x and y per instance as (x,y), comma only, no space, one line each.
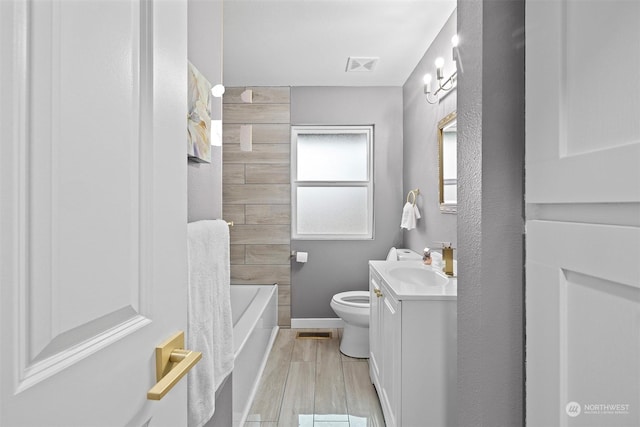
(254,309)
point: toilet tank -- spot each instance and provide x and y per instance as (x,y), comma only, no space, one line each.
(408,255)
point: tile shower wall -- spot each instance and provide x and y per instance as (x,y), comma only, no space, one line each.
(256,191)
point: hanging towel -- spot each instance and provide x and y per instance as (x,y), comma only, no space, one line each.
(210,328)
(417,211)
(408,216)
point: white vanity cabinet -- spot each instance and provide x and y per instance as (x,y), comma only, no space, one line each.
(412,361)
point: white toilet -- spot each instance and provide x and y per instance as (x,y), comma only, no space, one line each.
(353,308)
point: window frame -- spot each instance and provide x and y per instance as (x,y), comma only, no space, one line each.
(296,130)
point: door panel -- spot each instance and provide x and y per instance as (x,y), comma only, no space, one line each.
(93,209)
(583,136)
(583,199)
(583,322)
(84,217)
(392,327)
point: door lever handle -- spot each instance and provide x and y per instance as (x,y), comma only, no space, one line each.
(172,363)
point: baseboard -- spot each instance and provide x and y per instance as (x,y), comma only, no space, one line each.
(317,323)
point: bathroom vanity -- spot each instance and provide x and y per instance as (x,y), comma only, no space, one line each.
(413,343)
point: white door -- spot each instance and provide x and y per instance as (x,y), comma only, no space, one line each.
(92,210)
(583,213)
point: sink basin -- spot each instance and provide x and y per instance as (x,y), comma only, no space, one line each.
(418,275)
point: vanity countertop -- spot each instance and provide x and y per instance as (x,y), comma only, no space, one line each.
(410,289)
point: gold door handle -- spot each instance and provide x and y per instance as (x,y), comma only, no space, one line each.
(172,363)
(378,292)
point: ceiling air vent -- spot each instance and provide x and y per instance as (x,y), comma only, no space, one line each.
(356,64)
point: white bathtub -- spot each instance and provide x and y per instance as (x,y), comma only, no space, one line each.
(254,309)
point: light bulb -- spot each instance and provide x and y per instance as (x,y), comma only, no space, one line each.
(427,83)
(455,40)
(217,91)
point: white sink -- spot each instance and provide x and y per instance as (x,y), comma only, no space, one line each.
(412,280)
(418,275)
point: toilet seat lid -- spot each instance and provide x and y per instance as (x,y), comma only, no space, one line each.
(358,299)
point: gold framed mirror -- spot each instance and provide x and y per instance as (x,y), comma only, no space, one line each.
(448,167)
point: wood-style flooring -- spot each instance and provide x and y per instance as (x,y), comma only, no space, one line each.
(308,382)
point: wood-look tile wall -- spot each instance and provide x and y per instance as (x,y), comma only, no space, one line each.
(257,192)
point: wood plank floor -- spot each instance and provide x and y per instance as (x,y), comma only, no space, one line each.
(310,383)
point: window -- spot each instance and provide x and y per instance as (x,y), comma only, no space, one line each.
(332,182)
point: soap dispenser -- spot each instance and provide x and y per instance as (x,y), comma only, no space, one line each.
(426,256)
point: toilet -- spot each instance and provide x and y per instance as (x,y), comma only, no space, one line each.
(353,308)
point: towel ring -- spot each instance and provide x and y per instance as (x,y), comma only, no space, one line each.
(413,193)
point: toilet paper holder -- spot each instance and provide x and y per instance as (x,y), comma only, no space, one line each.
(299,256)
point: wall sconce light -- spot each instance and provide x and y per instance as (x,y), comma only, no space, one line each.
(444,85)
(454,42)
(217,91)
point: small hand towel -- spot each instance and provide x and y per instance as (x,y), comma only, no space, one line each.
(210,328)
(408,216)
(417,211)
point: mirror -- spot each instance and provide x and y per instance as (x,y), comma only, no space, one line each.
(448,168)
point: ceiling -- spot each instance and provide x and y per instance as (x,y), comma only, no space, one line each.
(308,42)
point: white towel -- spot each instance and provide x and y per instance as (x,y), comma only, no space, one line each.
(210,328)
(410,214)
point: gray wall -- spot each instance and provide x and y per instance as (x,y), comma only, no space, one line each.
(421,146)
(337,266)
(490,214)
(204,180)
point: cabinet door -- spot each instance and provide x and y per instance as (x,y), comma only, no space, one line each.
(390,369)
(375,332)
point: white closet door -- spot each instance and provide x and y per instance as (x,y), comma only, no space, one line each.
(93,209)
(583,213)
